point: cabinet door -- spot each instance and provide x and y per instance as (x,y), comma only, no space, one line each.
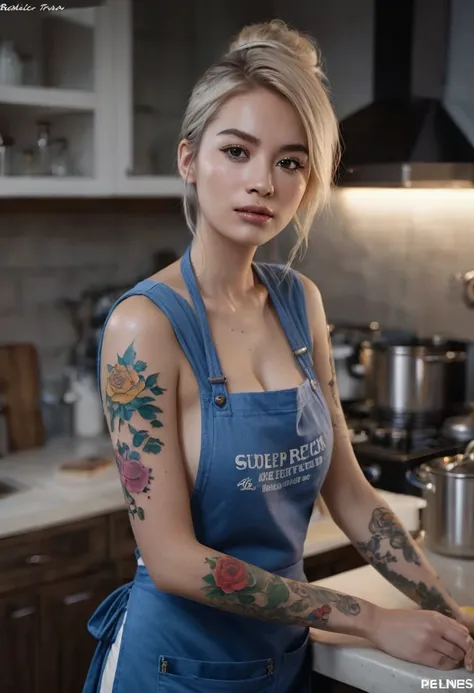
(19,637)
(459,91)
(160,51)
(66,645)
(56,101)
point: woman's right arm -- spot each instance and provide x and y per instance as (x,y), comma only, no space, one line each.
(139,380)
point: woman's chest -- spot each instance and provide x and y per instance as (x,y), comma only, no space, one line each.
(252,362)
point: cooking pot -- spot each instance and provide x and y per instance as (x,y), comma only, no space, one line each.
(448,487)
(424,378)
(346,340)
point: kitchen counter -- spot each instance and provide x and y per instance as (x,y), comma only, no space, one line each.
(45,496)
(356,662)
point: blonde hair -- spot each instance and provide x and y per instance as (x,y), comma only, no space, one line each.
(281,59)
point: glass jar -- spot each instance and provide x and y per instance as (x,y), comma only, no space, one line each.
(6,155)
(10,64)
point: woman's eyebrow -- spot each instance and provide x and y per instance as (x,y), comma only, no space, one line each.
(254,140)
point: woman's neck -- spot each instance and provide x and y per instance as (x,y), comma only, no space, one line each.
(223,270)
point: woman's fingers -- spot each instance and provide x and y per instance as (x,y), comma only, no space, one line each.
(450,650)
(439,660)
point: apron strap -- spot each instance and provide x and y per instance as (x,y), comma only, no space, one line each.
(216,378)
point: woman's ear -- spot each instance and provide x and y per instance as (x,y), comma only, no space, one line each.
(186,162)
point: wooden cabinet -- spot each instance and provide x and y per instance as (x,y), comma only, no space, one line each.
(19,643)
(51,581)
(66,645)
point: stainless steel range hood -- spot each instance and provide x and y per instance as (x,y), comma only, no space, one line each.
(404,138)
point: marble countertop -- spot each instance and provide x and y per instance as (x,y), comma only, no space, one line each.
(45,496)
(357,662)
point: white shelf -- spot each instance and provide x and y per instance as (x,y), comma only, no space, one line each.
(151,186)
(48,98)
(52,186)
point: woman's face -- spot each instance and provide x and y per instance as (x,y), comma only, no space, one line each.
(253,155)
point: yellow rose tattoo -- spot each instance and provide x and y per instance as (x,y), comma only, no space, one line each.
(128,391)
(124,384)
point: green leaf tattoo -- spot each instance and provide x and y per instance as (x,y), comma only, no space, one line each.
(250,591)
(128,391)
(134,476)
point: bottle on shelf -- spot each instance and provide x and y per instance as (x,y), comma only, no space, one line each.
(43,148)
(10,64)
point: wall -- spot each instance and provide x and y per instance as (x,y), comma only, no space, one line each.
(46,258)
(392,256)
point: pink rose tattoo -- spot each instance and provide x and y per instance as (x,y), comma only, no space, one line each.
(134,476)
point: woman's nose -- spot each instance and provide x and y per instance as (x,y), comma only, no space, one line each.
(261,181)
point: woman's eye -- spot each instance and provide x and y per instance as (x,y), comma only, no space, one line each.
(234,152)
(291,164)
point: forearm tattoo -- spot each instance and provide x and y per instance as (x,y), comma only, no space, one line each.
(384,526)
(132,393)
(239,587)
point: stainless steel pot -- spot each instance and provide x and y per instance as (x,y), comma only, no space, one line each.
(448,487)
(410,379)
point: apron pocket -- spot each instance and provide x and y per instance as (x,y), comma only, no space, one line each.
(177,675)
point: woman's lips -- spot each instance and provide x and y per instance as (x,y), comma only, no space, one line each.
(254,217)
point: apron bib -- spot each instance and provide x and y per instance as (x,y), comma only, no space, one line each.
(264,457)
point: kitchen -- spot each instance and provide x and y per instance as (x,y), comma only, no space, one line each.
(391,261)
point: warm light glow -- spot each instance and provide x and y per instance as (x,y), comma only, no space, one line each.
(392,199)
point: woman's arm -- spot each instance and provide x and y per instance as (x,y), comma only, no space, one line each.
(356,507)
(140,369)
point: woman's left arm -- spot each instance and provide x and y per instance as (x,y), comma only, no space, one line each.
(356,507)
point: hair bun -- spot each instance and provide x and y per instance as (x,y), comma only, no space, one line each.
(277,34)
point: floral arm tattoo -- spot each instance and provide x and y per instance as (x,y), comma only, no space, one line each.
(389,544)
(132,393)
(236,586)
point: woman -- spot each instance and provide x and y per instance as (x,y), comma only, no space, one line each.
(220,395)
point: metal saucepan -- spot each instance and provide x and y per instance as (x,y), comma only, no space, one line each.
(448,487)
(424,378)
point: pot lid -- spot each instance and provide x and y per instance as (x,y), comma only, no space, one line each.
(458,465)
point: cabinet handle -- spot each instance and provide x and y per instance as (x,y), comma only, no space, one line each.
(22,613)
(78,597)
(38,559)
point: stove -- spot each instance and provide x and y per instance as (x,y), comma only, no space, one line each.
(385,455)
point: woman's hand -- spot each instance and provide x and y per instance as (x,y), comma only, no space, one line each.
(423,637)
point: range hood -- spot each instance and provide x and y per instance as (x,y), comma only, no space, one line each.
(406,137)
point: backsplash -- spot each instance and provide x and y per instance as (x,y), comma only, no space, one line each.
(45,258)
(386,255)
(392,256)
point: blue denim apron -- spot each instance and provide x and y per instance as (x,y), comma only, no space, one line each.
(264,456)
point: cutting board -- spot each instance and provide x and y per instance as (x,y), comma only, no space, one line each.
(20,383)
